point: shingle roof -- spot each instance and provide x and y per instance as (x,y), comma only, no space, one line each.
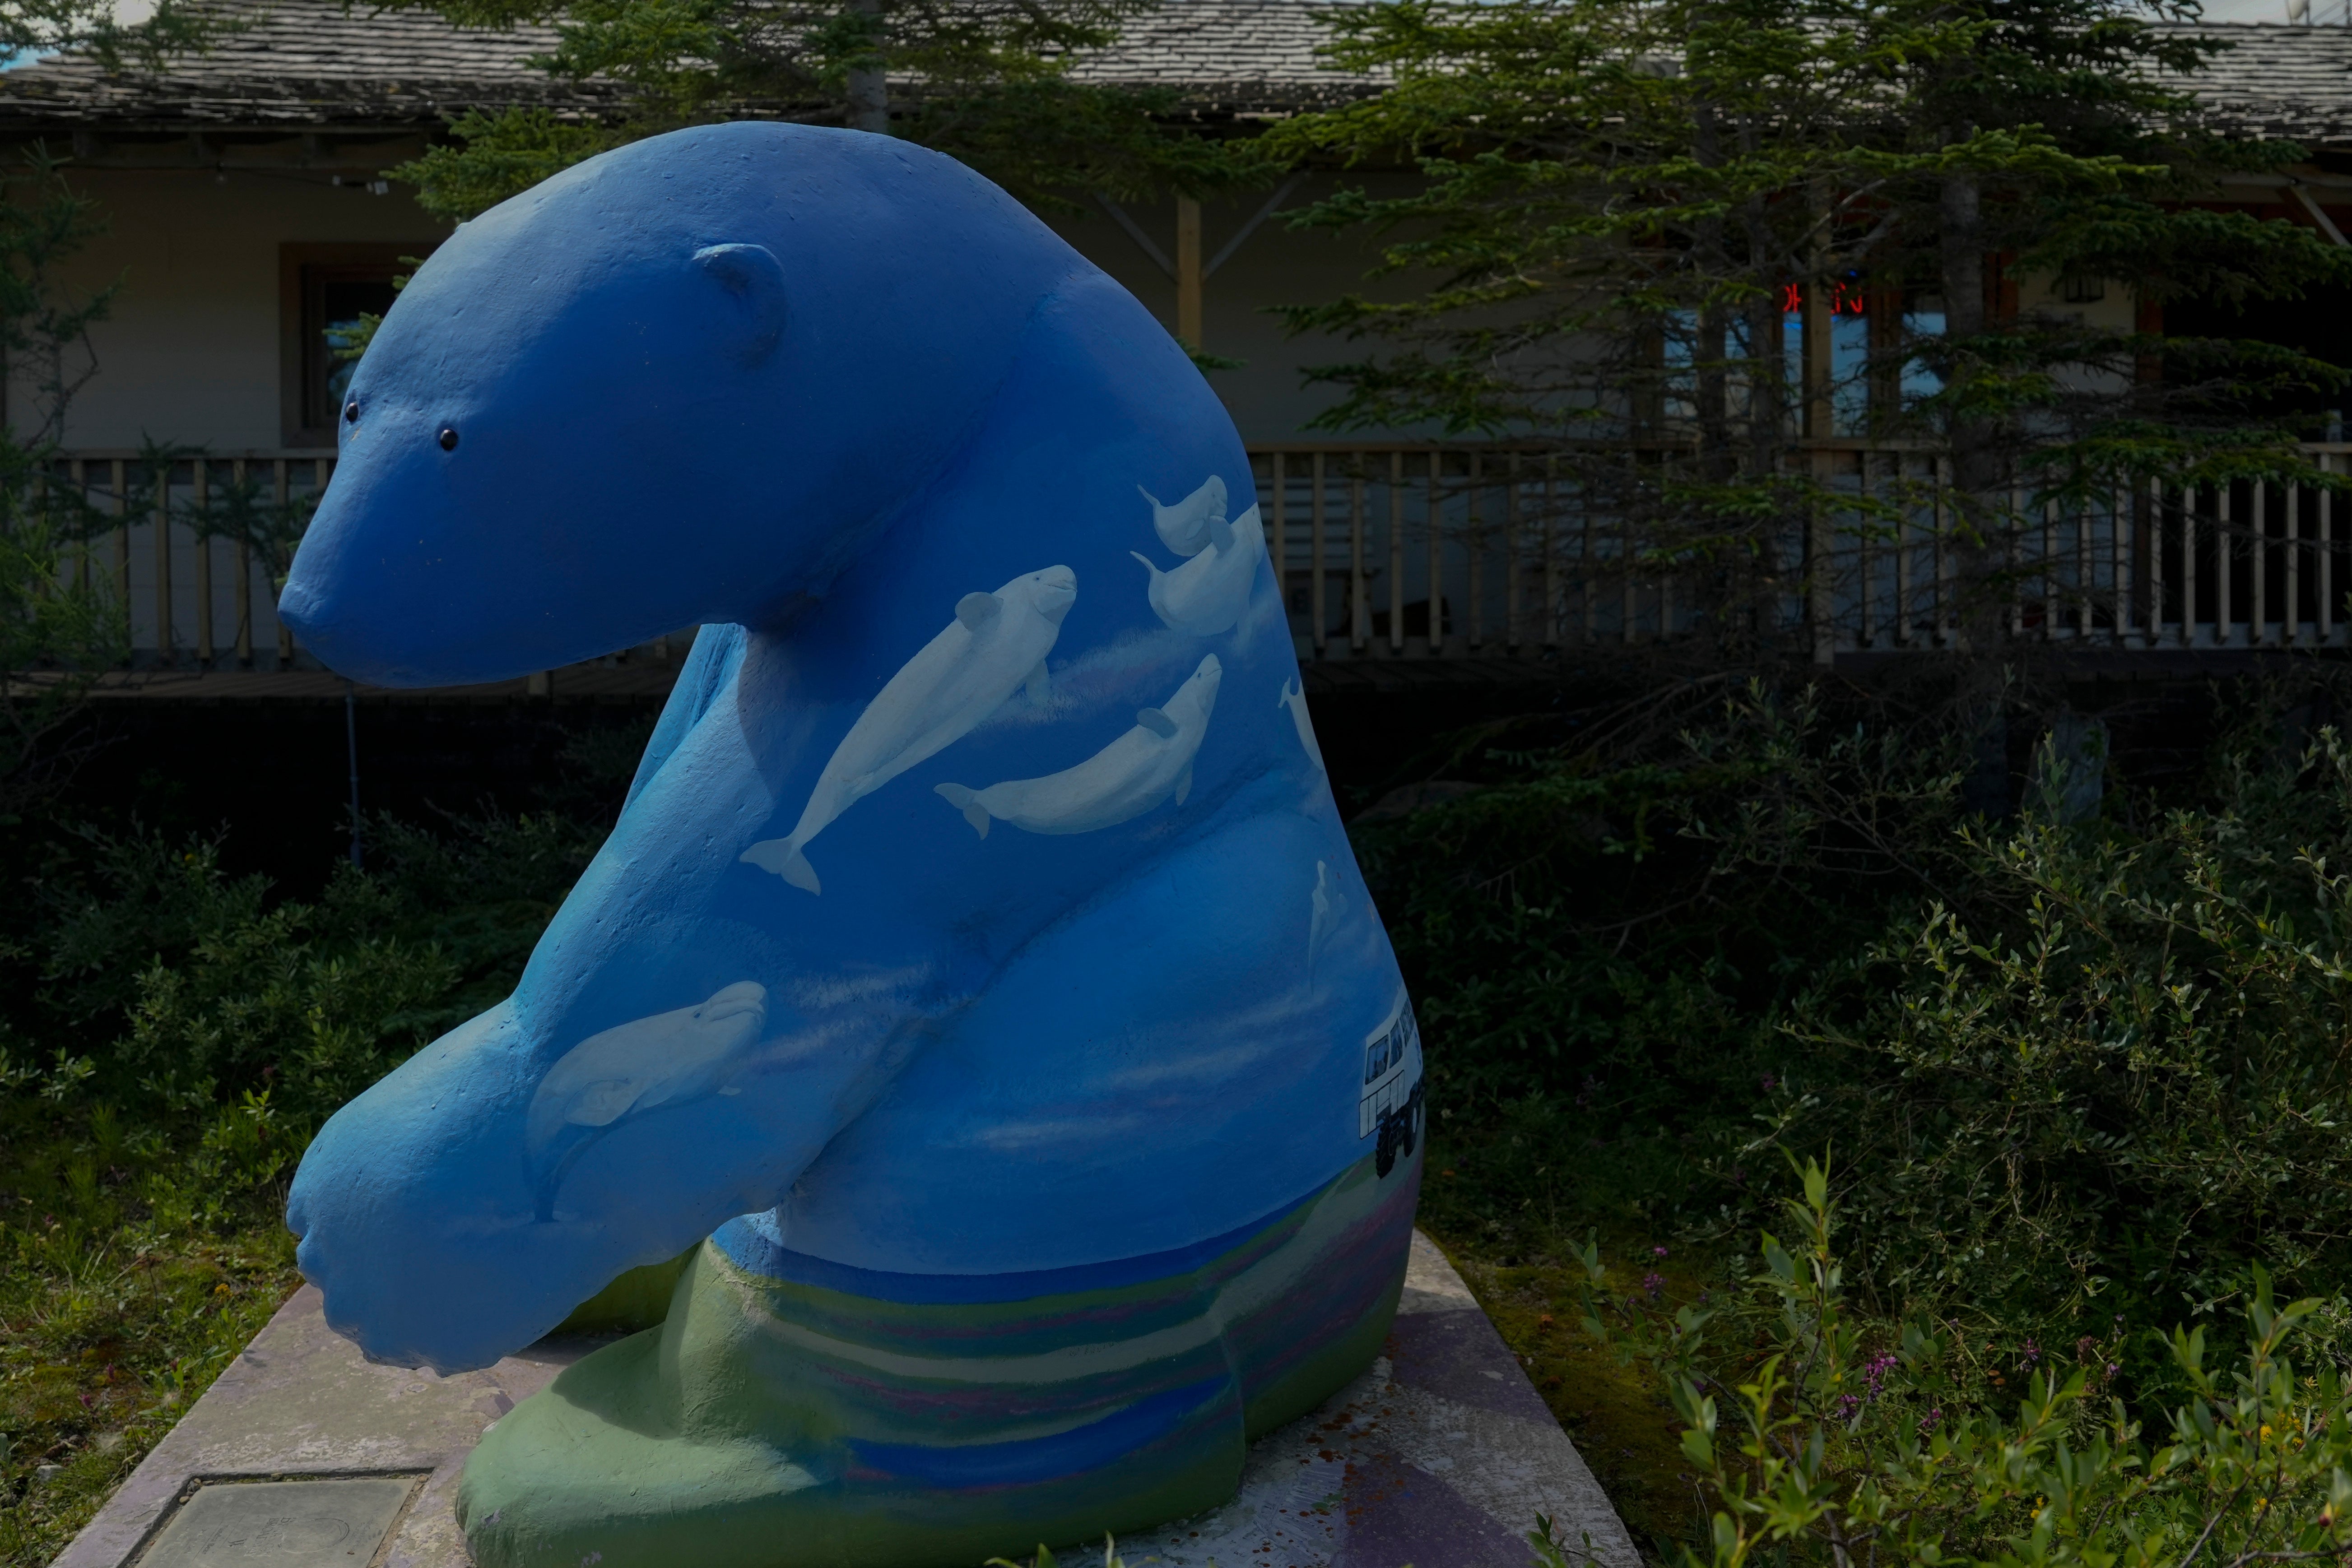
(2282,79)
(317,63)
(1239,54)
(304,62)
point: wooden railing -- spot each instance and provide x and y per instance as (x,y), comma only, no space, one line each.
(195,559)
(1367,537)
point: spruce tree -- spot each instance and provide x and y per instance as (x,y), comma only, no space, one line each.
(986,81)
(1621,198)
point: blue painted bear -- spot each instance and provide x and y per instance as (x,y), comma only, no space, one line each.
(978,973)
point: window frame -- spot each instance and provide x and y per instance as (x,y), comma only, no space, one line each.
(295,262)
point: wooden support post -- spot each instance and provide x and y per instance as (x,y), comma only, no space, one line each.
(1188,272)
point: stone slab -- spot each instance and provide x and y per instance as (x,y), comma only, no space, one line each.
(1441,1455)
(320,1522)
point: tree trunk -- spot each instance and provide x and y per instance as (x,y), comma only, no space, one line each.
(869,93)
(1975,509)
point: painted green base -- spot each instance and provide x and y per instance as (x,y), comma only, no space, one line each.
(1322,1375)
(770,1425)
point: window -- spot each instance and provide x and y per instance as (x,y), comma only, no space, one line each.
(324,291)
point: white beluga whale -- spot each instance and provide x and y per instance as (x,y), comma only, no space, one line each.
(1207,594)
(1150,763)
(1184,526)
(996,643)
(1294,697)
(675,1056)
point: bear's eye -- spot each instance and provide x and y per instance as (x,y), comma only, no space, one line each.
(352,412)
(448,438)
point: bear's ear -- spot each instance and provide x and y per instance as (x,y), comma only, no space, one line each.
(754,280)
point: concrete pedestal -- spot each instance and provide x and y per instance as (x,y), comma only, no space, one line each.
(303,1456)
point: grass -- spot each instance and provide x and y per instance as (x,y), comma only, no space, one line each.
(133,1269)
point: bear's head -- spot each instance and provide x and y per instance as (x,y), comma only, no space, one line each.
(687,381)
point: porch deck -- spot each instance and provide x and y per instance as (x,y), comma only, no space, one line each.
(1405,567)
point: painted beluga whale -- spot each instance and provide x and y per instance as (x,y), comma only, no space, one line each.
(631,1068)
(1207,594)
(941,1165)
(1185,528)
(1149,764)
(997,641)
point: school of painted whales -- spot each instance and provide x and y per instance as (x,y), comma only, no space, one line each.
(1150,763)
(996,643)
(1206,595)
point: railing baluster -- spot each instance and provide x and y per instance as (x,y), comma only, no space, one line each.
(1628,607)
(283,476)
(1279,547)
(122,550)
(1315,587)
(1865,555)
(2046,567)
(2119,519)
(78,473)
(203,542)
(1396,553)
(2292,632)
(1433,505)
(2258,630)
(1948,614)
(2190,527)
(1551,553)
(1584,569)
(2085,581)
(1511,638)
(2327,556)
(2225,625)
(1359,610)
(1478,590)
(244,577)
(1903,532)
(165,655)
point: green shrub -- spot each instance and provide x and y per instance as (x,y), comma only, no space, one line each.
(1818,1436)
(178,987)
(2076,1071)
